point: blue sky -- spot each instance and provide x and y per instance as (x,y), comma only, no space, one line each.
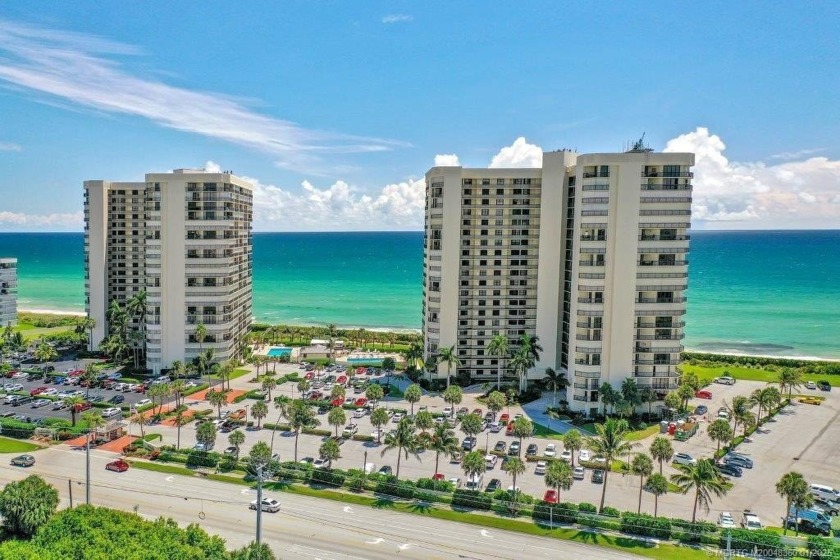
(336,109)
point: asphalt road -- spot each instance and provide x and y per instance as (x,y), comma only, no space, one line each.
(304,527)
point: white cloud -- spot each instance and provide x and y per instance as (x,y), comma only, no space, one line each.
(10,147)
(447,160)
(339,207)
(799,154)
(84,70)
(397,18)
(518,154)
(755,195)
(12,221)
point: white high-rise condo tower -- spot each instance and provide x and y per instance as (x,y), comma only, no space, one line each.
(8,292)
(183,237)
(588,252)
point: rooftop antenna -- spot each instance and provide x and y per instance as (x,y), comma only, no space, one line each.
(639,146)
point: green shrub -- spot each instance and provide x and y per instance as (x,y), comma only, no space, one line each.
(585,507)
(566,512)
(472,499)
(646,525)
(392,487)
(436,485)
(610,512)
(331,477)
(745,542)
(822,548)
(197,458)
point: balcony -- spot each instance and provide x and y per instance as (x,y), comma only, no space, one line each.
(591,300)
(665,263)
(672,325)
(664,237)
(662,300)
(591,263)
(656,362)
(669,174)
(679,336)
(589,337)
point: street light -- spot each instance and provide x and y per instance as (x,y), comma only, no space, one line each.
(487,444)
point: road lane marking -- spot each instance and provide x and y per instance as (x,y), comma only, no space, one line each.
(375,541)
(485,533)
(405,546)
(246,491)
(170,478)
(348,509)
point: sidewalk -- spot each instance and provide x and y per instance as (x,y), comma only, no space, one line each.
(536,412)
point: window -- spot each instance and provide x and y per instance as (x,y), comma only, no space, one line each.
(500,181)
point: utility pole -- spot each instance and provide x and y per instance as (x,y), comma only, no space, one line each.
(728,544)
(259,503)
(364,465)
(70,488)
(87,470)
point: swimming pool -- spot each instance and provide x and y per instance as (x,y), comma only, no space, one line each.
(368,361)
(279,352)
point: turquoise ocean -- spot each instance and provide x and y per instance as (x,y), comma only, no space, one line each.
(762,293)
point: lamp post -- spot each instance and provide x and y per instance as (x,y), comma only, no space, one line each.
(87,469)
(259,503)
(364,465)
(487,444)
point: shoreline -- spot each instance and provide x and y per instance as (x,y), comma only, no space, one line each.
(399,330)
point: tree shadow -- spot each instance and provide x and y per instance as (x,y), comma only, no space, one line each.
(382,502)
(420,507)
(589,536)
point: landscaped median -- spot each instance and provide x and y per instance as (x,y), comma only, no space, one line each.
(627,531)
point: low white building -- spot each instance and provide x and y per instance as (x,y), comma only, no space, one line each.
(8,292)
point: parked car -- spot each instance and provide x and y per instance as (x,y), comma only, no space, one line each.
(597,476)
(23,461)
(514,448)
(703,394)
(700,410)
(810,385)
(469,443)
(738,460)
(684,459)
(500,446)
(725,380)
(751,522)
(117,399)
(37,391)
(268,504)
(584,455)
(108,412)
(551,497)
(495,427)
(117,466)
(730,470)
(540,468)
(386,470)
(493,485)
(808,527)
(726,521)
(41,403)
(143,402)
(566,455)
(579,473)
(550,450)
(350,430)
(532,450)
(320,463)
(824,385)
(491,461)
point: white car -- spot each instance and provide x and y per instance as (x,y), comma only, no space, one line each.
(397,417)
(495,427)
(447,410)
(50,392)
(566,455)
(455,481)
(725,520)
(108,412)
(41,402)
(375,434)
(725,380)
(540,468)
(810,385)
(143,402)
(491,461)
(684,459)
(583,455)
(359,413)
(320,463)
(579,473)
(550,450)
(268,504)
(751,522)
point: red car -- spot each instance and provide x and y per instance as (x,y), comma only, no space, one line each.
(309,375)
(360,402)
(141,388)
(11,373)
(316,396)
(438,476)
(509,430)
(37,391)
(361,371)
(703,394)
(81,406)
(550,497)
(342,380)
(337,402)
(504,418)
(117,466)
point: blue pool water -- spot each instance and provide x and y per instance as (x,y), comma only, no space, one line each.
(279,352)
(369,361)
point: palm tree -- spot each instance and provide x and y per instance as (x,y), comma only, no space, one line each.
(337,417)
(330,451)
(424,421)
(661,450)
(764,399)
(378,418)
(648,396)
(414,356)
(442,441)
(554,381)
(720,432)
(558,476)
(739,409)
(236,439)
(206,434)
(259,410)
(473,464)
(499,347)
(522,428)
(200,335)
(73,404)
(178,387)
(93,420)
(178,369)
(412,395)
(790,379)
(657,485)
(89,323)
(573,441)
(704,479)
(301,416)
(269,384)
(217,399)
(641,466)
(610,443)
(514,466)
(793,488)
(453,396)
(447,356)
(404,440)
(607,394)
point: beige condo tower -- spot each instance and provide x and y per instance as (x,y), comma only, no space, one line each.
(185,238)
(588,252)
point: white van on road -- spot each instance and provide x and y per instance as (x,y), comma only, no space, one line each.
(824,492)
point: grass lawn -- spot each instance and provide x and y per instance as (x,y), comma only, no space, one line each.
(8,445)
(30,332)
(544,432)
(751,374)
(395,392)
(235,373)
(638,435)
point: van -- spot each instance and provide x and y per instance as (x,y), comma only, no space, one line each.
(474,482)
(370,468)
(22,400)
(820,491)
(725,380)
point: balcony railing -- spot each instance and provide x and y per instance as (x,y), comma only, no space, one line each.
(669,174)
(666,263)
(660,337)
(664,238)
(662,300)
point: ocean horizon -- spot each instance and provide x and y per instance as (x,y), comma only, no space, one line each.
(769,293)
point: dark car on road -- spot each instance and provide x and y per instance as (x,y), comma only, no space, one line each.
(493,485)
(469,443)
(701,410)
(731,470)
(808,527)
(532,450)
(598,476)
(23,461)
(500,446)
(117,399)
(824,385)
